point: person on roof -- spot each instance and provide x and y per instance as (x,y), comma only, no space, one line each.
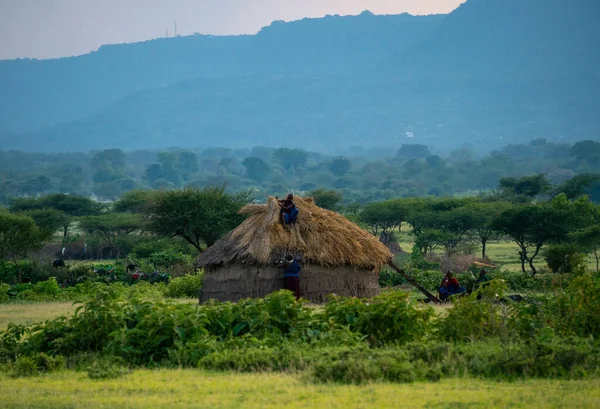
(291,275)
(450,286)
(289,211)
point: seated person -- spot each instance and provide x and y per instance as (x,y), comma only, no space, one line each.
(482,278)
(289,211)
(450,286)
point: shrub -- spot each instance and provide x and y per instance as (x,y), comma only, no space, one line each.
(166,259)
(38,363)
(4,289)
(478,316)
(390,318)
(23,367)
(187,286)
(48,288)
(564,258)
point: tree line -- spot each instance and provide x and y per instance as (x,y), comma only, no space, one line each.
(361,176)
(559,219)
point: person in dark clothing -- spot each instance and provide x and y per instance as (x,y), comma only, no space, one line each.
(289,211)
(450,286)
(58,263)
(291,275)
(482,278)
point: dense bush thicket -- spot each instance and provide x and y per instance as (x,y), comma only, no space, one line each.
(350,340)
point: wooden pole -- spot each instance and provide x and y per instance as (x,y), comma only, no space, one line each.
(418,286)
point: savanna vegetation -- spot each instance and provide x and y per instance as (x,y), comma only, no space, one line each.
(130,268)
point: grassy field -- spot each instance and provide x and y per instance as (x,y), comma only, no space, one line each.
(506,255)
(199,389)
(34,312)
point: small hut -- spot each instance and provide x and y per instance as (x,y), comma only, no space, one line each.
(337,256)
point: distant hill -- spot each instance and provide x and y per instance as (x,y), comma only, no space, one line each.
(511,39)
(492,72)
(41,93)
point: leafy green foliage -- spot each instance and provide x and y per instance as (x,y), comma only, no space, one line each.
(564,258)
(327,199)
(200,216)
(18,236)
(186,286)
(386,319)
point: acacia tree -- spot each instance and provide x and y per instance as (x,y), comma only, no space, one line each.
(588,237)
(18,236)
(111,225)
(72,206)
(383,218)
(47,220)
(200,216)
(483,215)
(532,225)
(133,201)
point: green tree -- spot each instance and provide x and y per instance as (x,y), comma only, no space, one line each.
(588,236)
(70,205)
(188,164)
(111,225)
(530,186)
(18,236)
(35,186)
(579,185)
(340,166)
(290,158)
(587,152)
(533,225)
(200,216)
(49,221)
(383,218)
(115,158)
(133,201)
(108,165)
(153,173)
(327,199)
(483,215)
(256,168)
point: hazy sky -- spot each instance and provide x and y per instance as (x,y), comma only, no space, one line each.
(55,28)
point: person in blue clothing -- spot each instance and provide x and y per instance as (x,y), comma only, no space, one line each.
(291,275)
(289,211)
(450,286)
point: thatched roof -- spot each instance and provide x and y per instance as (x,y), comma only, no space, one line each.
(319,236)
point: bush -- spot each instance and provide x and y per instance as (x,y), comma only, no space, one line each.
(167,258)
(390,318)
(564,258)
(478,316)
(187,286)
(38,363)
(4,289)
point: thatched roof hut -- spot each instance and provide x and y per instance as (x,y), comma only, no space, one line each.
(337,255)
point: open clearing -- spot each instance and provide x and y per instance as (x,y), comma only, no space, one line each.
(200,389)
(30,313)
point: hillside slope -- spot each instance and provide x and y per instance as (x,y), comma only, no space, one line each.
(41,93)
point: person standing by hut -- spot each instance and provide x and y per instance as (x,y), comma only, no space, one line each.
(291,275)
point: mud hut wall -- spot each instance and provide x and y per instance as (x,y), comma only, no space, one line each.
(237,281)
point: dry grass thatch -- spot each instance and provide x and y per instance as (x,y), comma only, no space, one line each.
(318,236)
